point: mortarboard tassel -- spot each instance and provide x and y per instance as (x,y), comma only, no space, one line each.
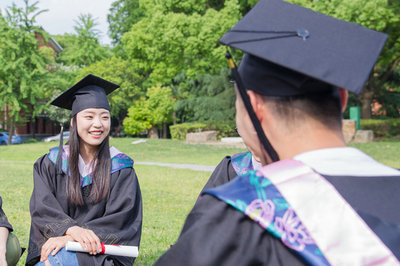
(257,126)
(60,151)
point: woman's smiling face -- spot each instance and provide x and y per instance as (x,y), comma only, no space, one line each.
(93,125)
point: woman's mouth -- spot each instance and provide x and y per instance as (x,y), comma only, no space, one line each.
(96,134)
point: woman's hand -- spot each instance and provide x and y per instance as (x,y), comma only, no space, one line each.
(53,245)
(87,238)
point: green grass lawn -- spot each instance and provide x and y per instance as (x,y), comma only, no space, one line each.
(168,194)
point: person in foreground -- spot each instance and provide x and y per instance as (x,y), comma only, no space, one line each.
(10,250)
(314,201)
(230,167)
(99,200)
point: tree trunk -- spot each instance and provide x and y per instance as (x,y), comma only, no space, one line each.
(153,133)
(33,126)
(366,100)
(11,130)
(174,116)
(164,133)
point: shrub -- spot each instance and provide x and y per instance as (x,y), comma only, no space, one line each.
(224,129)
(386,128)
(179,131)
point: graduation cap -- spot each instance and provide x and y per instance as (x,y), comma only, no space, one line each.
(89,92)
(293,45)
(291,50)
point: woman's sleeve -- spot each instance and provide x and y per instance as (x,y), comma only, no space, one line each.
(3,218)
(49,217)
(122,220)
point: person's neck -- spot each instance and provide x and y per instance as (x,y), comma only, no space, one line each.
(308,140)
(87,152)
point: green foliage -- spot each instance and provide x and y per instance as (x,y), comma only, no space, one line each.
(389,97)
(84,48)
(179,131)
(58,79)
(208,97)
(165,43)
(31,140)
(123,14)
(48,54)
(120,72)
(386,128)
(154,110)
(23,66)
(224,129)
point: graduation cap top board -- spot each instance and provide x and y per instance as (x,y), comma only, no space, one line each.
(292,44)
(89,92)
(291,50)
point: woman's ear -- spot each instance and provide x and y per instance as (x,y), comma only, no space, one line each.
(70,123)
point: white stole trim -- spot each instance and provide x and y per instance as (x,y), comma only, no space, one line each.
(342,236)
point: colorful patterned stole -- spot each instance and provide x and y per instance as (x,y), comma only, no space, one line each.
(118,162)
(241,163)
(304,211)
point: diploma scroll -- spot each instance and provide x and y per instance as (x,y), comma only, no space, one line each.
(116,250)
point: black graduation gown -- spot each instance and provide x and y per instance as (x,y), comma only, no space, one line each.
(3,218)
(215,233)
(222,174)
(116,220)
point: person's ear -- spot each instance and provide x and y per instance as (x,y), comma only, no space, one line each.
(344,96)
(258,104)
(70,123)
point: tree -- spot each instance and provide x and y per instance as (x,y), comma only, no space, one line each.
(82,49)
(380,15)
(23,66)
(183,40)
(151,112)
(123,14)
(59,79)
(208,97)
(120,72)
(389,97)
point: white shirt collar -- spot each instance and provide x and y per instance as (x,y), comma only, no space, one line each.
(86,169)
(346,161)
(256,165)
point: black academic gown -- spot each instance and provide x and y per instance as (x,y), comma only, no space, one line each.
(215,233)
(222,174)
(116,220)
(3,218)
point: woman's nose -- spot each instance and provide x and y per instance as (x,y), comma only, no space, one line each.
(97,122)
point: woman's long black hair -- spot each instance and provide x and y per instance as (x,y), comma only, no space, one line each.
(100,187)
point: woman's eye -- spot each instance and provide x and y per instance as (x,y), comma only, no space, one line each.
(106,117)
(88,117)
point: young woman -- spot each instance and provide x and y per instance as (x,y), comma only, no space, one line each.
(84,191)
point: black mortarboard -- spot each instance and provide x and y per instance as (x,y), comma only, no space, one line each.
(291,50)
(308,44)
(89,92)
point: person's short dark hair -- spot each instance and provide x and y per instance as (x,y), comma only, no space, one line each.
(323,107)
